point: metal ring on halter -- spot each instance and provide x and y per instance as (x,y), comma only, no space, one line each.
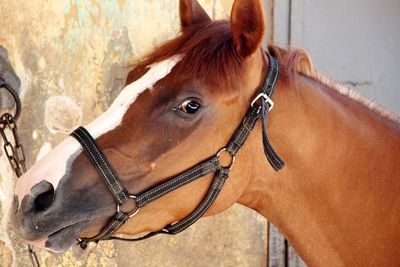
(132,213)
(233,158)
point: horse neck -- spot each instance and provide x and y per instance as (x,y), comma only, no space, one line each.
(336,200)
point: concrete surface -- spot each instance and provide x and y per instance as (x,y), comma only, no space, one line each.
(74,55)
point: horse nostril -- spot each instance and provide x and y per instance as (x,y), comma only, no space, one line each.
(44,200)
(43,195)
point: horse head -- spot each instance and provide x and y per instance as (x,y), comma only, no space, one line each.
(181,104)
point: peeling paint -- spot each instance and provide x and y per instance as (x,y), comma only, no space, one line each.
(62,114)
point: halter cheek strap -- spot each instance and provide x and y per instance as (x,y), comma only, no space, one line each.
(102,165)
(260,108)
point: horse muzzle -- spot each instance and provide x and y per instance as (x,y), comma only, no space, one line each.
(36,222)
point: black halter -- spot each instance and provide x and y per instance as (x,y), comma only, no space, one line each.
(259,108)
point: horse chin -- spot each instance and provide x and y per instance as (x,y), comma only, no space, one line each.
(61,240)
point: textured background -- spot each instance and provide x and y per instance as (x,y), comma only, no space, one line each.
(72,58)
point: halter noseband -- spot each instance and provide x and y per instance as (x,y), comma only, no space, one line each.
(259,108)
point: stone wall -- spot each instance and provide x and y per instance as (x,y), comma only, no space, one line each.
(72,57)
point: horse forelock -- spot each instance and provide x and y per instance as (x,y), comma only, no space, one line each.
(207,51)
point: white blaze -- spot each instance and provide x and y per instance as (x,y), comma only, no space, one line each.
(113,116)
(53,166)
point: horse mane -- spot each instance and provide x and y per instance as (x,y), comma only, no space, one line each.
(295,62)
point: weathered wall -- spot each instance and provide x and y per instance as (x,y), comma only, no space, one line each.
(72,58)
(355,42)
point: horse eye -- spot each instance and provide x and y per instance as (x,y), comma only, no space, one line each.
(190,106)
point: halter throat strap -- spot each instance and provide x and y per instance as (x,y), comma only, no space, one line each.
(259,108)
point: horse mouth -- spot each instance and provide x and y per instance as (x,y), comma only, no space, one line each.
(62,239)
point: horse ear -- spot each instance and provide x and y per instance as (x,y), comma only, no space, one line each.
(191,13)
(248,26)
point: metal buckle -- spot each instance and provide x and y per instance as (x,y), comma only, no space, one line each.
(233,158)
(266,98)
(132,213)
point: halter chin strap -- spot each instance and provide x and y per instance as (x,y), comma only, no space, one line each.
(260,108)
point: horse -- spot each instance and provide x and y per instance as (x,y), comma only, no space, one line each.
(336,199)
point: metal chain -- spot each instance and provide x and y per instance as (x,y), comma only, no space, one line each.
(13,147)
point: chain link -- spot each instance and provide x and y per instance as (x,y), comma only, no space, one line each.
(13,148)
